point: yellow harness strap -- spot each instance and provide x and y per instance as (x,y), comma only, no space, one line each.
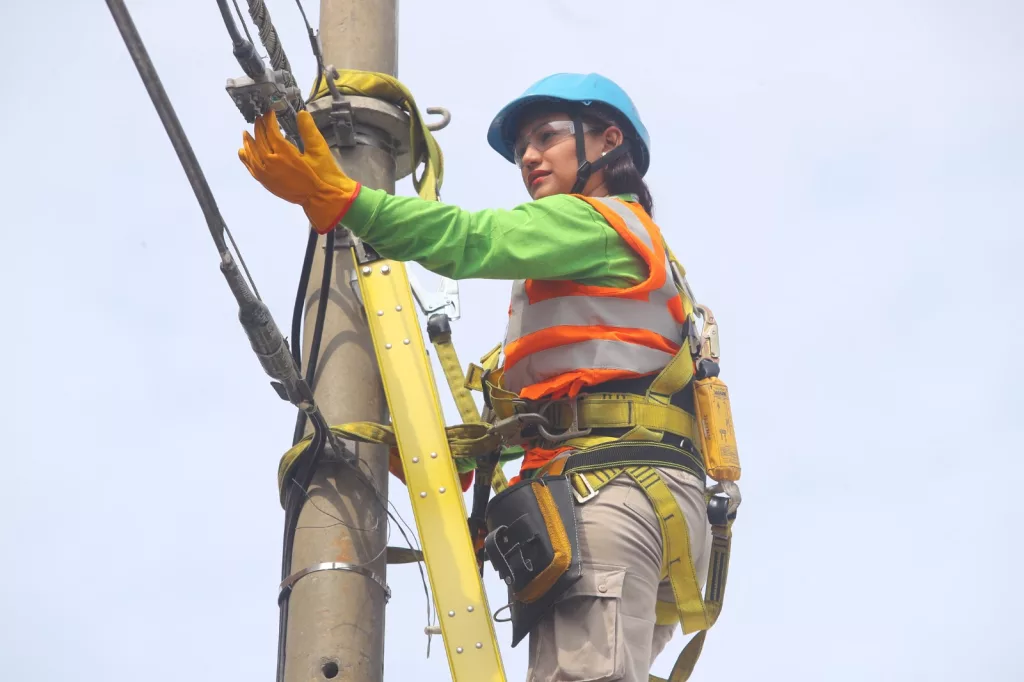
(463,398)
(622,410)
(696,614)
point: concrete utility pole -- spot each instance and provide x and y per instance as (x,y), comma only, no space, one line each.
(336,617)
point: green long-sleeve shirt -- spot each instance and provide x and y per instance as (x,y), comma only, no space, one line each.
(555,238)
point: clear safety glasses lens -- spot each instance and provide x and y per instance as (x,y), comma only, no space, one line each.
(543,137)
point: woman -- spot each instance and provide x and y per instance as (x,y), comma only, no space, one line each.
(595,312)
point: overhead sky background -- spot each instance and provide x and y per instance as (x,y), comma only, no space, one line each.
(844,182)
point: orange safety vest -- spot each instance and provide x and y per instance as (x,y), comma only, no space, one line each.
(563,336)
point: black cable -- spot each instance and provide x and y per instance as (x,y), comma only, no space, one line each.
(321,316)
(244,51)
(241,20)
(297,317)
(314,44)
(321,313)
(229,22)
(300,296)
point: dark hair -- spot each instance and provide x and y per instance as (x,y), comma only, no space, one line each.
(621,176)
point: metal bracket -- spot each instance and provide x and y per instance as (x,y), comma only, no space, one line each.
(446,300)
(288,583)
(276,90)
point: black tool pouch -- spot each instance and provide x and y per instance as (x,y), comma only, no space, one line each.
(533,545)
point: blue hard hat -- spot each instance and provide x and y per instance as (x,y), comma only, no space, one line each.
(576,88)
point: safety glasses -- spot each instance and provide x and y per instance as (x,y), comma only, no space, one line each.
(544,137)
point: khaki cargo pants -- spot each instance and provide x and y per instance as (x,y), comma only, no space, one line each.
(603,629)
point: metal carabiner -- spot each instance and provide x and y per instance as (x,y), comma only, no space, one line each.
(709,343)
(511,428)
(573,431)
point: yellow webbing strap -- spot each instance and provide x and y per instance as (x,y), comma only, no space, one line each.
(387,88)
(489,362)
(619,410)
(449,360)
(696,614)
(464,440)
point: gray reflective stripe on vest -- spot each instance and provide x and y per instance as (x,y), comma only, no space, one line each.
(577,311)
(632,221)
(592,354)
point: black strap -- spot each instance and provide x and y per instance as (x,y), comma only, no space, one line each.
(641,452)
(587,168)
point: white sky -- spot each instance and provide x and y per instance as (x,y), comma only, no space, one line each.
(844,182)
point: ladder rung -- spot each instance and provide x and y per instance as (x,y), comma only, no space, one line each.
(404,555)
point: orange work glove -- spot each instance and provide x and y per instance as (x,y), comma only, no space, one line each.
(312,179)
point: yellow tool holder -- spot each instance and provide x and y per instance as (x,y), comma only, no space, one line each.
(430,474)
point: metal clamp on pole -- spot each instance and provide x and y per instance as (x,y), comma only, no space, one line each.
(344,130)
(289,583)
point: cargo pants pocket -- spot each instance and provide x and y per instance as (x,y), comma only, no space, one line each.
(581,638)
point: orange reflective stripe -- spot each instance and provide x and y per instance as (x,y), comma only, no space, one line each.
(542,290)
(553,337)
(675,306)
(569,384)
(535,458)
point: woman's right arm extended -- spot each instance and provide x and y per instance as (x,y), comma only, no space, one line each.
(556,238)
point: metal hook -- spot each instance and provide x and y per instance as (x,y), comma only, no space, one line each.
(333,75)
(445,115)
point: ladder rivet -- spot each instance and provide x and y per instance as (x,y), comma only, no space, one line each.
(380,313)
(423,494)
(451,614)
(458,650)
(441,489)
(367,270)
(415,460)
(433,455)
(479,645)
(405,341)
(470,609)
(385,269)
(398,308)
(388,346)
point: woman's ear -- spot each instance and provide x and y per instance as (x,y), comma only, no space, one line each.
(612,138)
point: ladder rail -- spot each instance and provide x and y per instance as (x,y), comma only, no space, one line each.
(430,475)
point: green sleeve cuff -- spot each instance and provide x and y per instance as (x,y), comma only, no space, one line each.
(363,211)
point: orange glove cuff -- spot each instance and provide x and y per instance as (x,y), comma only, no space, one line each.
(328,206)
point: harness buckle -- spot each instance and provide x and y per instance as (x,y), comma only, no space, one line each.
(510,428)
(573,431)
(591,493)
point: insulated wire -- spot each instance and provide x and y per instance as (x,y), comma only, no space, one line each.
(321,315)
(315,46)
(241,20)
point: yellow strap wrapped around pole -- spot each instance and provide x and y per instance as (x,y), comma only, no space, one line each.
(387,88)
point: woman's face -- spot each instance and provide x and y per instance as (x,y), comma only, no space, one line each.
(545,152)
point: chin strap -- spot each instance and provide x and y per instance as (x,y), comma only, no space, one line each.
(587,168)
